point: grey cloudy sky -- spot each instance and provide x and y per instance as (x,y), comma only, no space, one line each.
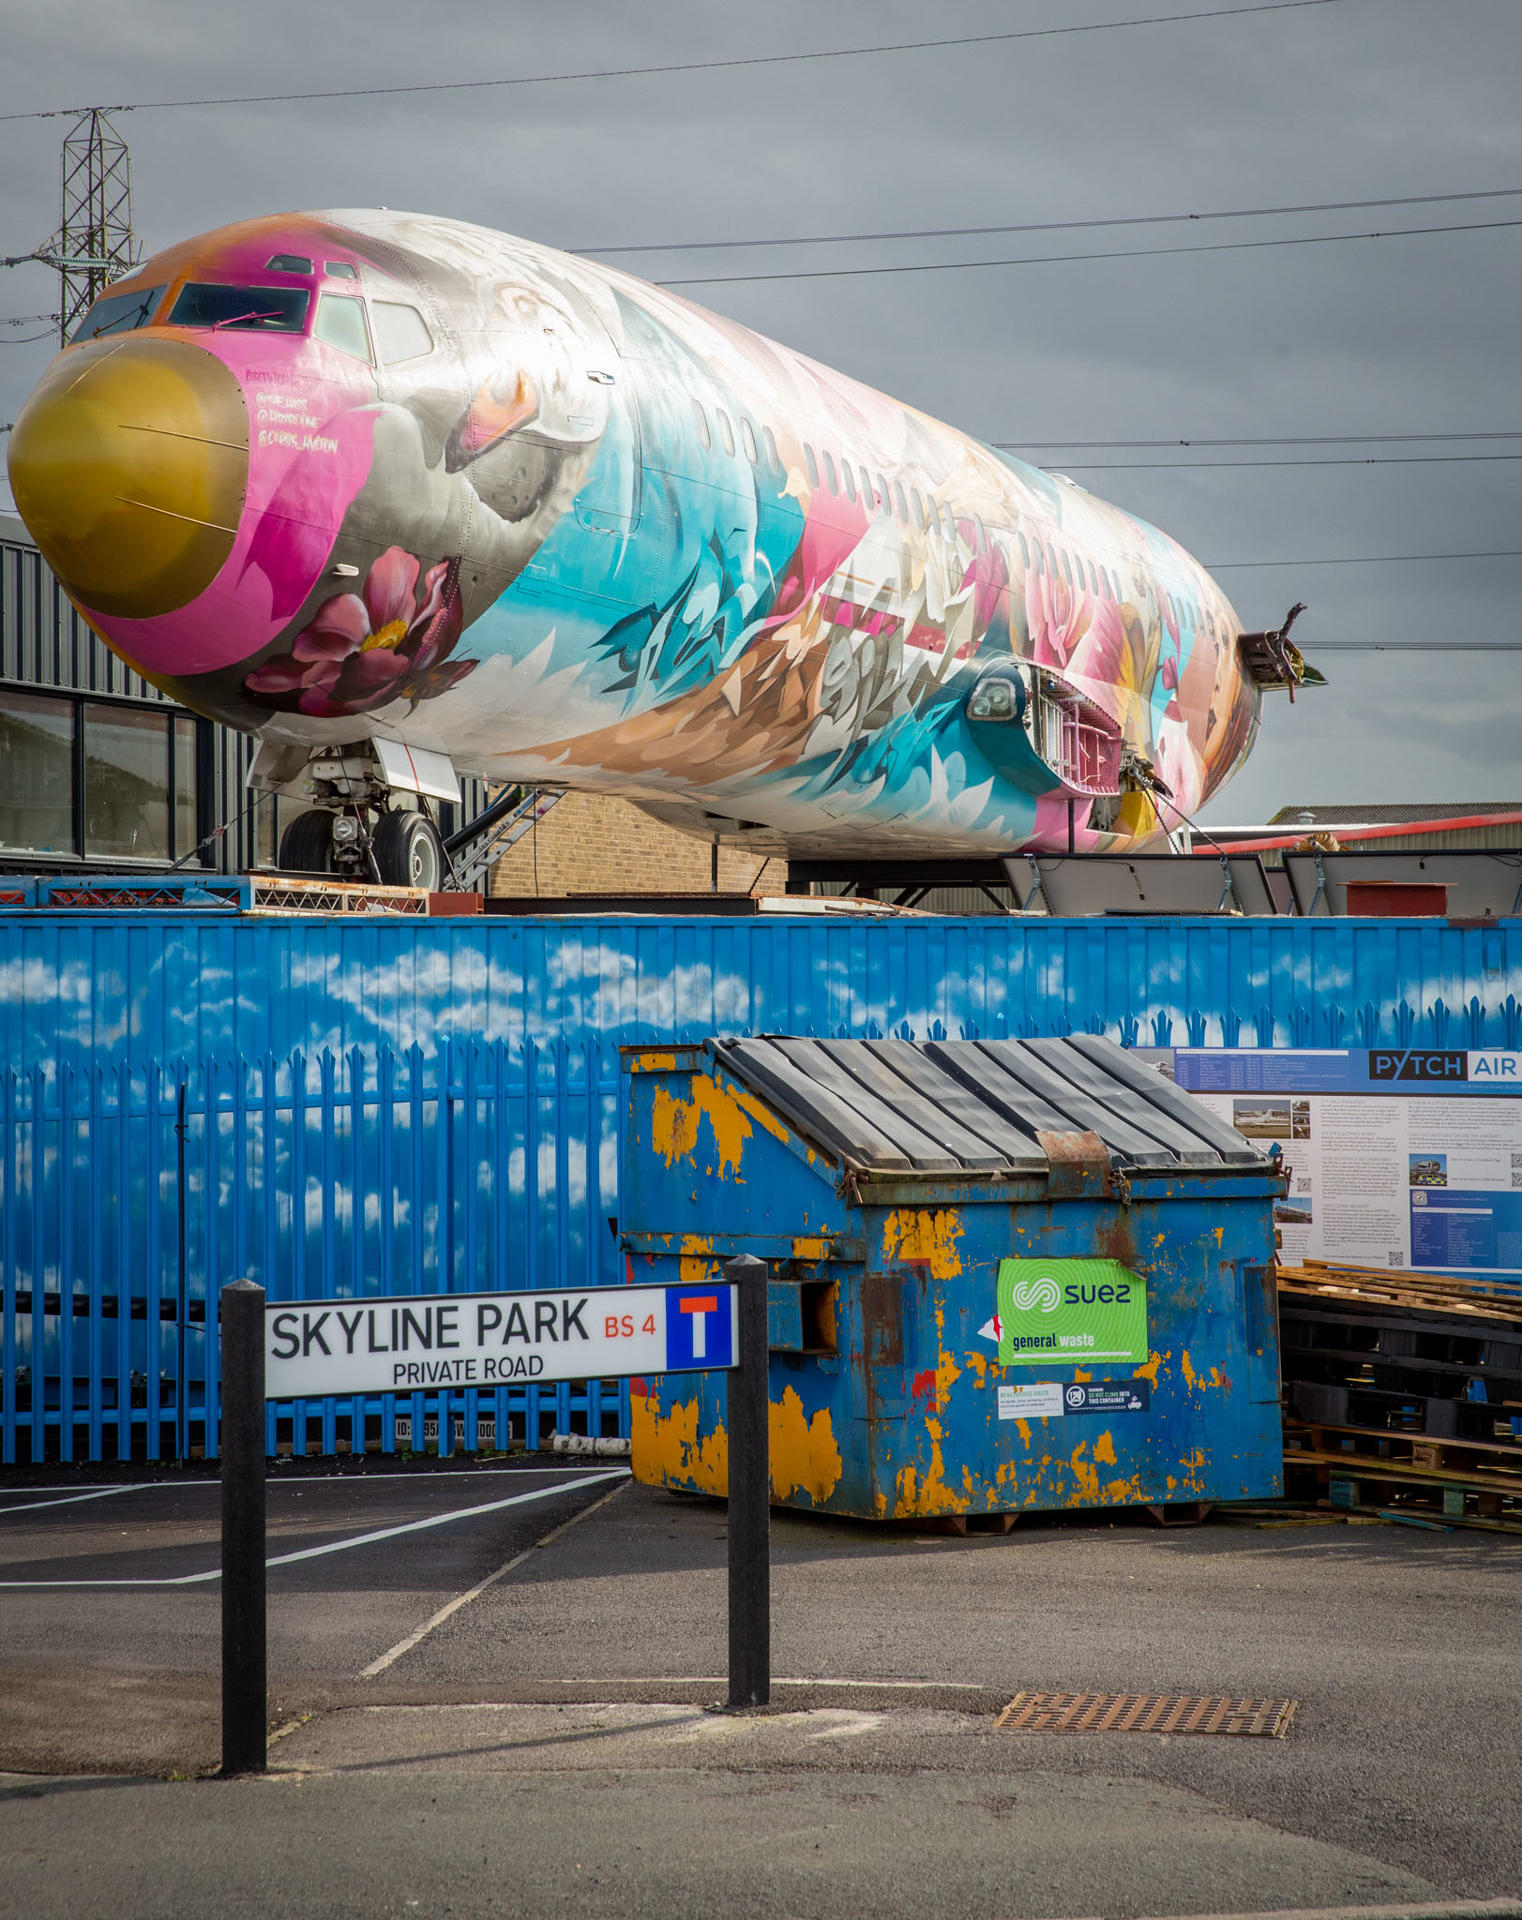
(1355,99)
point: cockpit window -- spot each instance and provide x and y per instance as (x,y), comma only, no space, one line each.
(118,313)
(341,322)
(287,263)
(401,333)
(255,309)
(340,270)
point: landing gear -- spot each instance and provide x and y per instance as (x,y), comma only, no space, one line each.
(366,817)
(306,846)
(404,849)
(408,851)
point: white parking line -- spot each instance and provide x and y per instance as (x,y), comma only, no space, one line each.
(72,1499)
(295,1480)
(344,1546)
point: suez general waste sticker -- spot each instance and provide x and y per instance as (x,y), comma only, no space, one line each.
(1070,1312)
(317,1347)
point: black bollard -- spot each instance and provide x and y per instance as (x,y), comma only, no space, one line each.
(244,1686)
(750,1514)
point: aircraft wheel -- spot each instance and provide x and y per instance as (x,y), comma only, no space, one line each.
(306,846)
(408,851)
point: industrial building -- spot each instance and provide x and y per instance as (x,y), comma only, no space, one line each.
(99,770)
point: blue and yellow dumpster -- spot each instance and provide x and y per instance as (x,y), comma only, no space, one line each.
(1006,1276)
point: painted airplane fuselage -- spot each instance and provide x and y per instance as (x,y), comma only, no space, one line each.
(456,489)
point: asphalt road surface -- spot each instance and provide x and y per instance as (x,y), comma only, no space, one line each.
(110,1607)
(547,1746)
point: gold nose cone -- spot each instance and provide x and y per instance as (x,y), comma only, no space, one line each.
(129,464)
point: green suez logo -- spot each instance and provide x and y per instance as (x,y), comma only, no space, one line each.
(1070,1312)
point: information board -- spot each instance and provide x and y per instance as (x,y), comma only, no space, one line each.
(1396,1156)
(316,1347)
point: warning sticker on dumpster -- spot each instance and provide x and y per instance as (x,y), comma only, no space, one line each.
(1041,1400)
(1070,1312)
(1107,1396)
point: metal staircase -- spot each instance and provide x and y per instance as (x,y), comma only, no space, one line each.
(485,839)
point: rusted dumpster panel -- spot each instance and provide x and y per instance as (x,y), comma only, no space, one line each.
(1007,1276)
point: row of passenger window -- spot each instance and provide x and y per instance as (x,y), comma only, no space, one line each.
(755,451)
(912,508)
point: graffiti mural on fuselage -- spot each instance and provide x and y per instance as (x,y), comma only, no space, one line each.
(593,536)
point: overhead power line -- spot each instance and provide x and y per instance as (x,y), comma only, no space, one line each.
(1365,560)
(1416,646)
(1274,440)
(686,66)
(1054,226)
(1057,259)
(1369,460)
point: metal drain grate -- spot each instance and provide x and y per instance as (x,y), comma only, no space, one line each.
(1147,1713)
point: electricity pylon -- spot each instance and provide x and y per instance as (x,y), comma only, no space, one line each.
(96,244)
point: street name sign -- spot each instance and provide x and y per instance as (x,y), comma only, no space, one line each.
(317,1347)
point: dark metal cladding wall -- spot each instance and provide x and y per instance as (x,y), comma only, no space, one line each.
(363,1108)
(47,646)
(43,641)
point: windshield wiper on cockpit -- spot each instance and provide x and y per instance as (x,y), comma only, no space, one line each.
(132,319)
(239,319)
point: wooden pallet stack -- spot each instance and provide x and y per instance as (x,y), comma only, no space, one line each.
(1403,1393)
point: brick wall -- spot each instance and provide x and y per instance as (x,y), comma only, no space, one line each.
(594,843)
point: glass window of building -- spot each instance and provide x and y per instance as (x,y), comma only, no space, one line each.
(187,786)
(36,774)
(126,782)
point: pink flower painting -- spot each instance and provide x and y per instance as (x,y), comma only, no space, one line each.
(361,652)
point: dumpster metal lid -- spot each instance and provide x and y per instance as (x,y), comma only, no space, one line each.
(969,1108)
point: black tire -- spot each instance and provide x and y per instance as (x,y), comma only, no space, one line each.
(408,851)
(306,846)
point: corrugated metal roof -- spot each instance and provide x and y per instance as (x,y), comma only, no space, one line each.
(963,1108)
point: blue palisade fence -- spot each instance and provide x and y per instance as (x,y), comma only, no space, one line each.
(356,1109)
